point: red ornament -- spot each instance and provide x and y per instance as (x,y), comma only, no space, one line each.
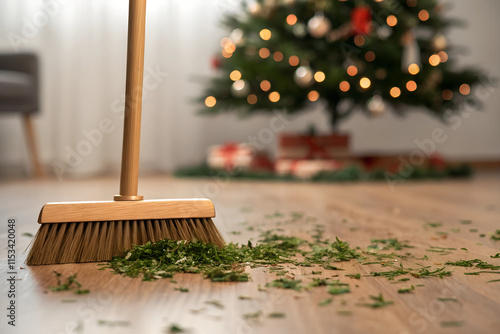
(216,62)
(361,20)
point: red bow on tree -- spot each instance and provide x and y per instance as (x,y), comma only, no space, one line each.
(361,20)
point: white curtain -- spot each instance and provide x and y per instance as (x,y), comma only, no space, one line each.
(82,46)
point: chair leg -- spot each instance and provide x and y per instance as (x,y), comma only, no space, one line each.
(32,146)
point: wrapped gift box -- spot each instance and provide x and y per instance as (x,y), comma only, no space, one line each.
(237,155)
(304,168)
(331,146)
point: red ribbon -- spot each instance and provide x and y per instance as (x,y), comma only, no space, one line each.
(361,20)
(228,151)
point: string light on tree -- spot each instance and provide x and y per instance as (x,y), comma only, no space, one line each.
(293,60)
(210,101)
(434,60)
(365,82)
(274,97)
(352,70)
(413,69)
(265,85)
(278,56)
(423,15)
(447,94)
(395,92)
(291,19)
(464,89)
(319,76)
(313,96)
(370,56)
(235,75)
(344,86)
(265,34)
(252,99)
(411,86)
(392,20)
(264,53)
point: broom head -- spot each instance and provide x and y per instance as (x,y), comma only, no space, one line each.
(97,231)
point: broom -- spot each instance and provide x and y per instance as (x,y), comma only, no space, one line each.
(97,231)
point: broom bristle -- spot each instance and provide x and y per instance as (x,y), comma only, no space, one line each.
(99,241)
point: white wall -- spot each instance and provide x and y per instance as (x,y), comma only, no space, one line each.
(83,56)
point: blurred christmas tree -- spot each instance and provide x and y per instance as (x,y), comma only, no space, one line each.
(369,56)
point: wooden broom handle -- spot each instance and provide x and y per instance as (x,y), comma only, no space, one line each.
(133,102)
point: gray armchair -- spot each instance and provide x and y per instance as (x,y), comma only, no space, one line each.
(19,93)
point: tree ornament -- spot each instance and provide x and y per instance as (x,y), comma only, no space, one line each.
(411,51)
(303,76)
(216,62)
(376,105)
(236,36)
(240,88)
(255,9)
(439,42)
(318,25)
(299,30)
(384,31)
(361,20)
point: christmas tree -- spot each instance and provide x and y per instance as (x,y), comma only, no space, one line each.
(357,56)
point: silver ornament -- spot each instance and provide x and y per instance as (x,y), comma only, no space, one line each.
(236,36)
(376,105)
(303,76)
(384,32)
(318,26)
(240,88)
(299,30)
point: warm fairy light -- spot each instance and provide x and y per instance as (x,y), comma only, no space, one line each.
(359,40)
(344,86)
(413,69)
(291,19)
(443,56)
(319,76)
(224,41)
(293,60)
(264,52)
(226,54)
(278,56)
(210,101)
(365,82)
(411,86)
(265,34)
(313,96)
(423,15)
(447,94)
(434,60)
(411,3)
(229,47)
(370,56)
(274,97)
(252,99)
(395,92)
(235,75)
(465,89)
(265,85)
(392,20)
(352,70)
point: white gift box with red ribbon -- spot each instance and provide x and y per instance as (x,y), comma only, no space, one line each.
(230,155)
(306,168)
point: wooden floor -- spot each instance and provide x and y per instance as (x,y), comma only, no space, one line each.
(354,212)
